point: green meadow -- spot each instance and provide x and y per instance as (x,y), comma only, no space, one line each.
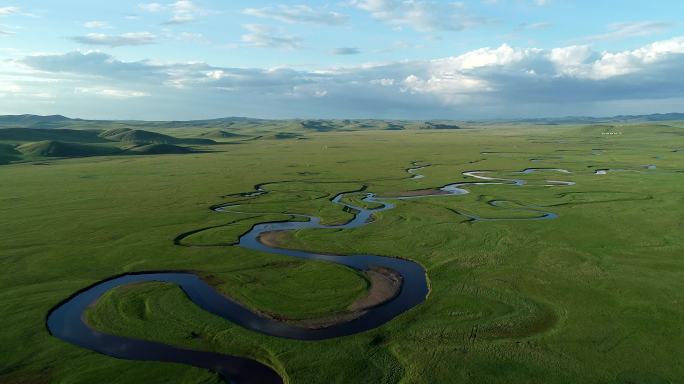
(593,296)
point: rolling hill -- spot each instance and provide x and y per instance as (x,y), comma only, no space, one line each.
(53,148)
(159,149)
(18,135)
(34,121)
(221,134)
(242,125)
(139,136)
(17,144)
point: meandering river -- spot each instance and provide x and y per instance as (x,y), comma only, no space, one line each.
(66,320)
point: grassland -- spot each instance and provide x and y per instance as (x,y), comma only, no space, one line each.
(594,296)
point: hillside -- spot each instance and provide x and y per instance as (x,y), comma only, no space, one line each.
(221,134)
(127,135)
(17,144)
(34,121)
(53,148)
(159,149)
(8,154)
(17,135)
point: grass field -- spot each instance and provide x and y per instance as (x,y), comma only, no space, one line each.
(594,296)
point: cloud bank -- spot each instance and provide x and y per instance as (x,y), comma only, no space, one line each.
(488,82)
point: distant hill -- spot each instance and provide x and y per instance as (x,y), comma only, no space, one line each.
(59,121)
(127,135)
(53,148)
(597,120)
(229,126)
(139,136)
(653,117)
(39,134)
(321,125)
(220,134)
(111,134)
(225,121)
(221,123)
(34,121)
(394,127)
(434,125)
(159,149)
(287,135)
(21,144)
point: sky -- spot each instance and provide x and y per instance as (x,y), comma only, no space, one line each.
(390,59)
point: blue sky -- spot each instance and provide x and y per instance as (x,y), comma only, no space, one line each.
(410,59)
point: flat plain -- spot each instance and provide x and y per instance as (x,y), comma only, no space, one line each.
(594,295)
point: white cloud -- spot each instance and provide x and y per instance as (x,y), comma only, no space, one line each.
(449,87)
(110,92)
(152,7)
(298,14)
(94,24)
(638,60)
(266,37)
(631,29)
(423,16)
(5,11)
(485,57)
(383,82)
(182,11)
(130,39)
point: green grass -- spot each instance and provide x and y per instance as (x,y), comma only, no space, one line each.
(594,296)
